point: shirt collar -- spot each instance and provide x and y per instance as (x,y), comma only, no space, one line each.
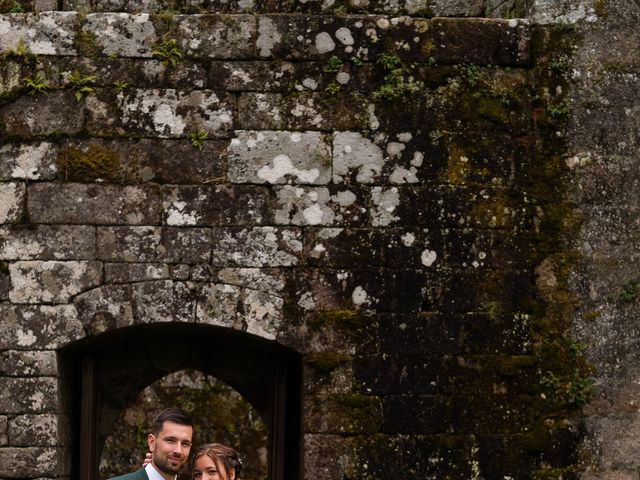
(152,473)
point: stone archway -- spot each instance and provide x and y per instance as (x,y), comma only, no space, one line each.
(104,373)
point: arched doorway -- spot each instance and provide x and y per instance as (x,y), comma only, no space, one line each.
(104,374)
(220,413)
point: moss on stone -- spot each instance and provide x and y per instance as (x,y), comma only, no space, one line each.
(94,163)
(326,362)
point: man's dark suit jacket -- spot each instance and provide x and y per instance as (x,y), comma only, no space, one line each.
(137,475)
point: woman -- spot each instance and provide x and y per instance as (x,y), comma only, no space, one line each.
(213,461)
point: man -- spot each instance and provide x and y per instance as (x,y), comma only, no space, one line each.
(169,443)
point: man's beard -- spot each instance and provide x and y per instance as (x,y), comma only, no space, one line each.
(163,464)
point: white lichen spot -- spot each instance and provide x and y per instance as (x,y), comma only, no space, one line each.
(344,36)
(418,158)
(25,339)
(383,23)
(313,214)
(318,250)
(268,36)
(408,239)
(359,297)
(385,201)
(310,83)
(307,301)
(394,149)
(324,43)
(374,123)
(283,167)
(428,257)
(353,152)
(177,216)
(343,78)
(401,175)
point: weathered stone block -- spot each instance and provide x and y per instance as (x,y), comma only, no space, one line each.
(48,33)
(121,34)
(215,36)
(355,157)
(48,242)
(28,161)
(115,306)
(94,204)
(481,41)
(616,435)
(279,157)
(44,5)
(304,111)
(105,308)
(404,373)
(336,334)
(31,462)
(28,395)
(136,272)
(216,205)
(43,327)
(457,8)
(346,413)
(297,205)
(154,244)
(56,113)
(402,158)
(165,113)
(132,162)
(52,281)
(311,37)
(34,430)
(270,281)
(256,247)
(259,76)
(246,309)
(343,248)
(163,301)
(41,363)
(320,447)
(11,75)
(425,456)
(328,289)
(4,437)
(11,202)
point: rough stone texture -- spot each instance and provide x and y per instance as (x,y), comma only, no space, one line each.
(48,242)
(279,157)
(27,161)
(36,363)
(48,33)
(53,114)
(28,395)
(161,113)
(94,205)
(39,327)
(30,462)
(34,430)
(52,281)
(154,244)
(11,202)
(396,199)
(603,79)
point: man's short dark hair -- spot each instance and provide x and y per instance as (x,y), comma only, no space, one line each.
(175,415)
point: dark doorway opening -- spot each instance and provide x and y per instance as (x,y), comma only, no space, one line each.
(104,374)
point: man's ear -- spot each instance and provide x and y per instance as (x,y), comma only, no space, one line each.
(232,474)
(151,441)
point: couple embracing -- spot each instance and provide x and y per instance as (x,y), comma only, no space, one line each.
(170,442)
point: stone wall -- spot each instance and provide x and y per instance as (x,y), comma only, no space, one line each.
(389,196)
